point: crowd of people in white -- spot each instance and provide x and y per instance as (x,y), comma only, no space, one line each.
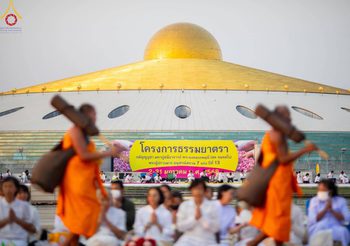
(168,219)
(305,178)
(217,177)
(225,177)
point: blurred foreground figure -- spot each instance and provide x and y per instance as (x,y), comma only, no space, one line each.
(78,205)
(198,218)
(273,220)
(15,215)
(227,213)
(329,212)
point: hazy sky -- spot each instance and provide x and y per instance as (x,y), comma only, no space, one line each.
(308,39)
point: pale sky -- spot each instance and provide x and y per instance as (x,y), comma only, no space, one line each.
(308,39)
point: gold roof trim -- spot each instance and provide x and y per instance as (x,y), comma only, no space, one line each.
(178,74)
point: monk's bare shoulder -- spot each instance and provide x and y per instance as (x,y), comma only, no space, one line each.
(74,131)
(276,137)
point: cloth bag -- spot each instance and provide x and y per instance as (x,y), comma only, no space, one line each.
(253,190)
(49,170)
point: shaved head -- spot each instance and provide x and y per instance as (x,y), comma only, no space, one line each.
(284,112)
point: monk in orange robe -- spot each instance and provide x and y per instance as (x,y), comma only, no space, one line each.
(273,220)
(78,205)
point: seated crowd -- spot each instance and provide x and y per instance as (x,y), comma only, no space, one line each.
(173,177)
(218,177)
(168,219)
(305,178)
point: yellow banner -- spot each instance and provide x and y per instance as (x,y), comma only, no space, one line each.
(146,154)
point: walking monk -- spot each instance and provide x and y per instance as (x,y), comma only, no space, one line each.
(78,205)
(273,220)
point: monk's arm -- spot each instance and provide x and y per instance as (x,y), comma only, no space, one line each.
(286,158)
(283,155)
(4,222)
(80,146)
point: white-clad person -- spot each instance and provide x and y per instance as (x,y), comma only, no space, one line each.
(230,177)
(148,178)
(243,176)
(299,177)
(154,221)
(298,230)
(157,178)
(7,174)
(198,218)
(112,230)
(190,176)
(24,178)
(15,216)
(306,178)
(343,178)
(204,175)
(23,194)
(221,177)
(245,231)
(329,212)
(103,177)
(128,178)
(227,213)
(317,178)
(330,175)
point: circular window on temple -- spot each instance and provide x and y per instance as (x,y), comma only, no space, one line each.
(182,111)
(246,112)
(307,113)
(51,115)
(346,109)
(117,112)
(10,111)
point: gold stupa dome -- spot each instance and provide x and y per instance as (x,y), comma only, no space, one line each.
(183,40)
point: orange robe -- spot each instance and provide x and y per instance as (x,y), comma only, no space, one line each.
(77,203)
(274,218)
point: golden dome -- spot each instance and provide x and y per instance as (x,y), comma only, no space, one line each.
(183,40)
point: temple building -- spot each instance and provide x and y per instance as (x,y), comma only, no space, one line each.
(181,90)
